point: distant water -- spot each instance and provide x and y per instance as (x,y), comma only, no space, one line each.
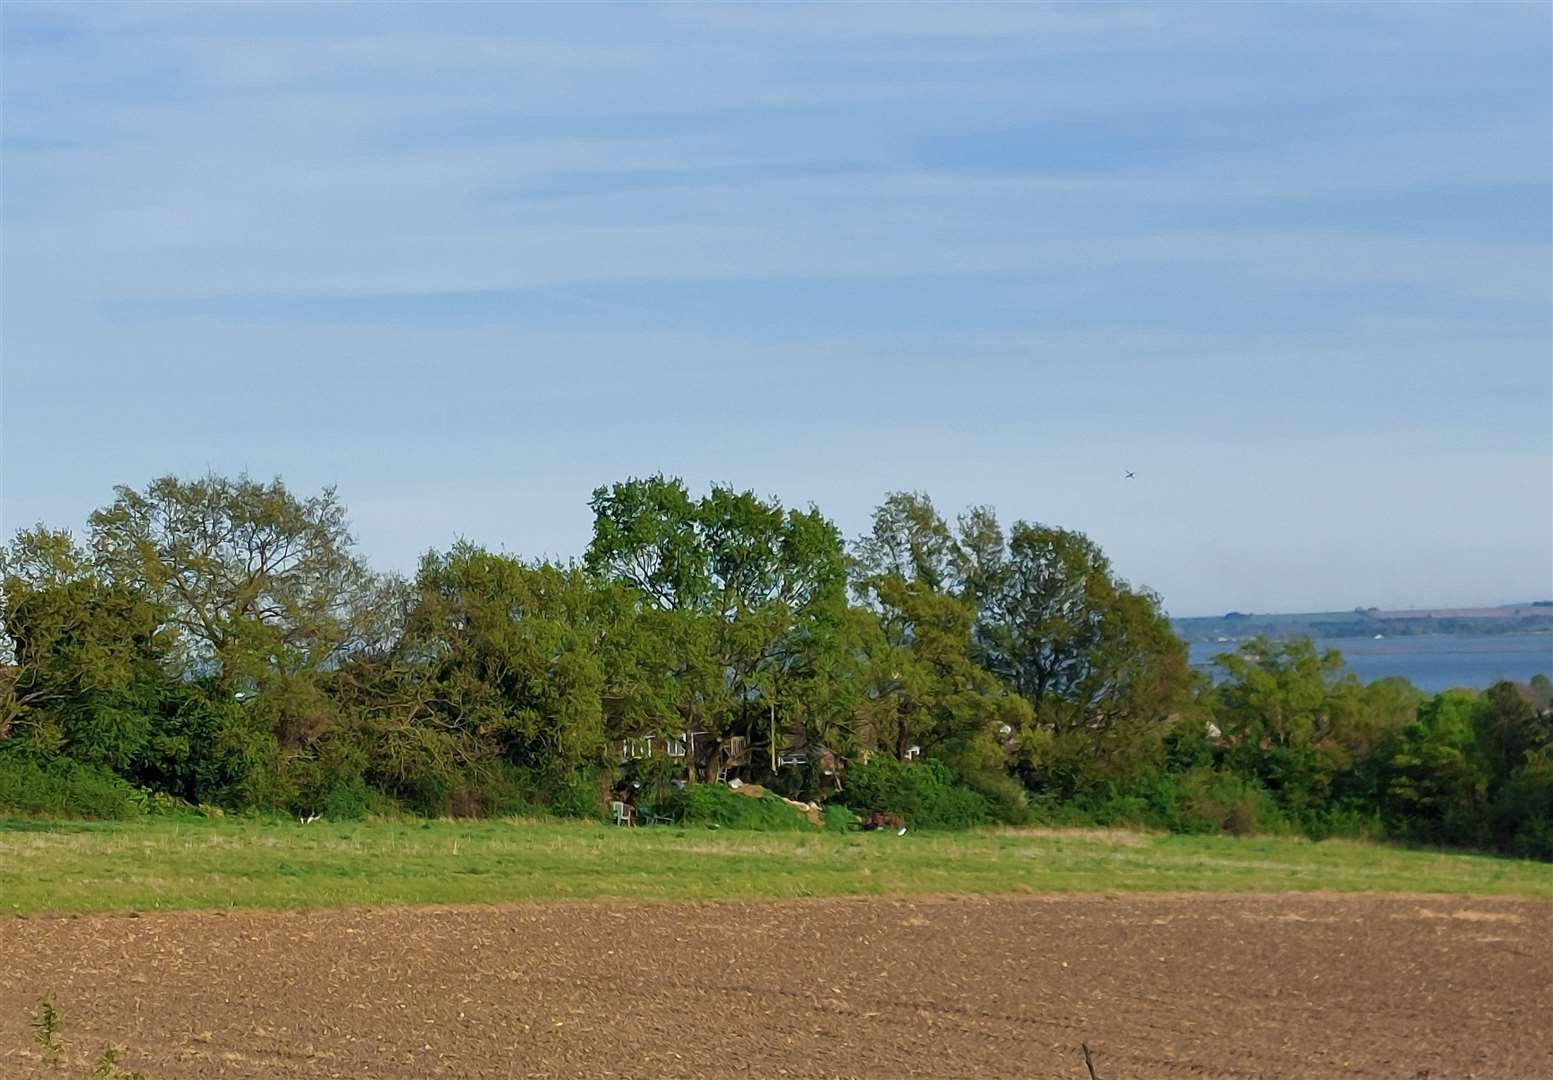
(1431,662)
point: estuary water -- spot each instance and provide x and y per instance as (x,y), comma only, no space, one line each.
(1431,662)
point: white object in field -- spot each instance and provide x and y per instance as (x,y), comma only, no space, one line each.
(901,831)
(736,783)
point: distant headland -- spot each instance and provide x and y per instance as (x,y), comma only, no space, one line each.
(1370,622)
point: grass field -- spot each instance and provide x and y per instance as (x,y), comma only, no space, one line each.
(68,867)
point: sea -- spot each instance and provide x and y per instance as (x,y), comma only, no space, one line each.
(1431,662)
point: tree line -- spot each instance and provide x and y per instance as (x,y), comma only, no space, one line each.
(220,642)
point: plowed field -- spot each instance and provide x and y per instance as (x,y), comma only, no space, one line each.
(1159,986)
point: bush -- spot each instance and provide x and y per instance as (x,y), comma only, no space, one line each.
(511,790)
(206,749)
(577,793)
(1200,800)
(1008,802)
(839,819)
(65,788)
(924,794)
(1522,813)
(348,799)
(1216,801)
(715,804)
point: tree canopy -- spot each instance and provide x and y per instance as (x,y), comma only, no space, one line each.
(220,641)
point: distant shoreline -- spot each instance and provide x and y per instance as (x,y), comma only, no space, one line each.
(1369,622)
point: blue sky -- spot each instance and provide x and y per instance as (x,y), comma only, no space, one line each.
(1292,264)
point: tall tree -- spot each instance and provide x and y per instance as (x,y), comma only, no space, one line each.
(749,593)
(516,655)
(910,541)
(255,579)
(922,685)
(77,646)
(1283,706)
(1096,658)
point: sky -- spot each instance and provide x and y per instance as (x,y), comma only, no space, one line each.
(1292,265)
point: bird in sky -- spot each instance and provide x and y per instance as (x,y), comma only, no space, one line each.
(1129,474)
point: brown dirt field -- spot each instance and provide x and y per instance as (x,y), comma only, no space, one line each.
(1300,985)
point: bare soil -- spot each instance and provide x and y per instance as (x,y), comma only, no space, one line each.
(1159,986)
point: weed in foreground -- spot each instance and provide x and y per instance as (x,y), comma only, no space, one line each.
(107,1068)
(45,1029)
(46,1025)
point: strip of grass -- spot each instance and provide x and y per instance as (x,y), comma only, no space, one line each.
(197,864)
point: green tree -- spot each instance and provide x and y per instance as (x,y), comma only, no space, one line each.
(921,686)
(1515,746)
(1096,658)
(254,579)
(909,541)
(1277,708)
(517,655)
(1474,770)
(1435,783)
(85,653)
(748,596)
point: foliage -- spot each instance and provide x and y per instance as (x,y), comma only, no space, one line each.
(45,1028)
(61,787)
(218,643)
(1095,658)
(46,1024)
(1215,800)
(924,794)
(838,819)
(510,654)
(252,578)
(716,804)
(743,597)
(107,1068)
(1475,770)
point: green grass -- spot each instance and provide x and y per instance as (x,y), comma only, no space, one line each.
(194,864)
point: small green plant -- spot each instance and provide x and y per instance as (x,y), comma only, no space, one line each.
(107,1068)
(45,1029)
(46,1024)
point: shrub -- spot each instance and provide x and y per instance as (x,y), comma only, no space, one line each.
(505,790)
(1218,801)
(715,804)
(207,749)
(162,804)
(839,819)
(575,793)
(1522,813)
(1008,803)
(348,799)
(924,794)
(65,788)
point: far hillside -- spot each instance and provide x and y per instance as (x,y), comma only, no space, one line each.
(1367,622)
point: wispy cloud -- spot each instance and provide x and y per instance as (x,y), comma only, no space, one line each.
(943,242)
